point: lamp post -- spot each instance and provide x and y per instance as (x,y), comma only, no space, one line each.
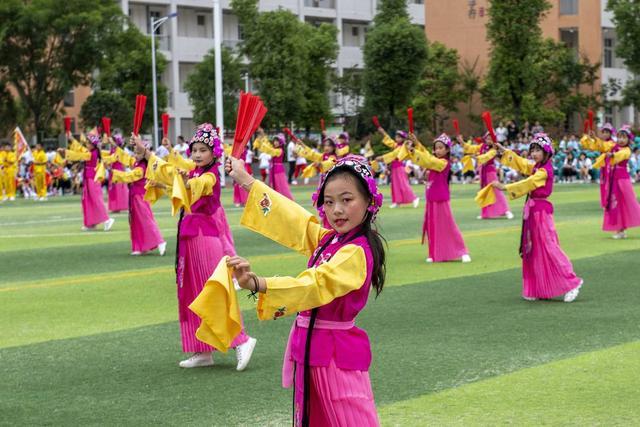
(154,26)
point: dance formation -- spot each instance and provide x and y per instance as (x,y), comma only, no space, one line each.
(327,357)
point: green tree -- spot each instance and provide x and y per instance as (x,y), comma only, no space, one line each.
(394,57)
(126,70)
(440,87)
(48,47)
(515,36)
(200,86)
(107,104)
(289,61)
(626,17)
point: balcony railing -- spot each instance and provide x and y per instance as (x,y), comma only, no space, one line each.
(324,4)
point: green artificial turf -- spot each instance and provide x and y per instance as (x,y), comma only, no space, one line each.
(89,334)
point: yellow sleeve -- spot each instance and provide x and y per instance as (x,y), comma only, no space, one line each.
(309,154)
(596,144)
(77,156)
(180,162)
(127,177)
(310,171)
(124,158)
(391,155)
(201,186)
(266,147)
(325,165)
(100,172)
(621,155)
(467,161)
(161,171)
(58,160)
(471,148)
(76,146)
(227,150)
(525,186)
(282,220)
(426,160)
(486,157)
(386,140)
(345,272)
(343,151)
(513,161)
(420,147)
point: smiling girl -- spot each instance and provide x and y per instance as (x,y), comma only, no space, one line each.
(327,357)
(546,270)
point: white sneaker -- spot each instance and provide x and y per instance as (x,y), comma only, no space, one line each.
(136,253)
(466,258)
(306,181)
(573,293)
(85,228)
(244,352)
(393,205)
(108,224)
(429,260)
(198,360)
(12,199)
(529,298)
(416,202)
(479,217)
(509,215)
(294,182)
(162,248)
(619,235)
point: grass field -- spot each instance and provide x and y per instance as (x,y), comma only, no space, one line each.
(89,334)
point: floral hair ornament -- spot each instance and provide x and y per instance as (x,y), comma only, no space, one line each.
(94,140)
(280,138)
(402,134)
(443,138)
(627,130)
(344,136)
(609,127)
(359,166)
(543,141)
(206,134)
(117,139)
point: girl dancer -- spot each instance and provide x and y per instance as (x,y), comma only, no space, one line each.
(322,162)
(401,192)
(485,155)
(439,227)
(93,209)
(592,142)
(201,235)
(342,147)
(277,175)
(546,270)
(327,357)
(10,168)
(621,208)
(144,232)
(118,193)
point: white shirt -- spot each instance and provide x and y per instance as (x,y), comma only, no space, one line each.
(182,149)
(249,157)
(264,159)
(301,161)
(501,134)
(291,151)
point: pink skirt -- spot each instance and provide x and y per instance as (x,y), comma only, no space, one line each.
(624,211)
(278,180)
(118,197)
(228,245)
(546,270)
(338,397)
(444,237)
(401,192)
(604,185)
(498,209)
(197,260)
(93,209)
(240,195)
(144,231)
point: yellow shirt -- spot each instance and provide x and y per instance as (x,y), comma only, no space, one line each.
(39,162)
(274,216)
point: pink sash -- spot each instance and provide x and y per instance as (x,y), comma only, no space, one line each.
(303,322)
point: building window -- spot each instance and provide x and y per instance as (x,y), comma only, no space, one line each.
(240,32)
(69,99)
(568,7)
(200,20)
(608,114)
(155,15)
(608,53)
(355,31)
(418,1)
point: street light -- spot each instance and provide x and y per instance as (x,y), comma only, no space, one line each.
(154,26)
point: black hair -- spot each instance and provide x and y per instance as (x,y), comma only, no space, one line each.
(330,142)
(547,155)
(369,230)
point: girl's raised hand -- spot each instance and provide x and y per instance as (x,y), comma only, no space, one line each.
(236,170)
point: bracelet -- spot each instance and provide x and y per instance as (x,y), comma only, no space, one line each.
(256,284)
